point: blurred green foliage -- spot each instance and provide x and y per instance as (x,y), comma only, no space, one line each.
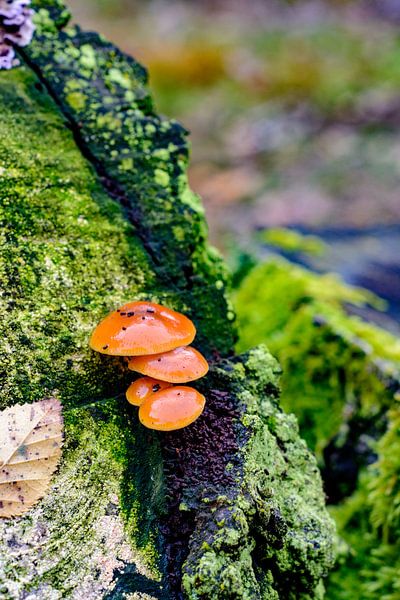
(291,241)
(329,359)
(369,565)
(329,64)
(328,67)
(339,373)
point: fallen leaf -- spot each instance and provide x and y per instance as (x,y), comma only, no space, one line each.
(31,437)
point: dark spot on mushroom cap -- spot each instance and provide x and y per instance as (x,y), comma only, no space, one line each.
(166,330)
(143,387)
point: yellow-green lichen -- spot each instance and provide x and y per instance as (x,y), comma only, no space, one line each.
(141,157)
(67,254)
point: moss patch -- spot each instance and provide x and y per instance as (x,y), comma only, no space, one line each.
(264,533)
(341,377)
(67,255)
(42,553)
(335,367)
(369,523)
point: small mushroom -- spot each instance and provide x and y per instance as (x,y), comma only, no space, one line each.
(139,328)
(171,408)
(176,366)
(140,389)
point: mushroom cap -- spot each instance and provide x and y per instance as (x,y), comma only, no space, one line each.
(176,366)
(139,328)
(172,408)
(140,389)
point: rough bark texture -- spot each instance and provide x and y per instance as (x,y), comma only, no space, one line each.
(95,210)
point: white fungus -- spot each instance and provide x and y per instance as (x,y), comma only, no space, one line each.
(16,29)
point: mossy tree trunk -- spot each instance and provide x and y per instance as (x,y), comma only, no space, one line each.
(96,210)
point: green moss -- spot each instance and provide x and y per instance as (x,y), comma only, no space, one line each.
(72,249)
(67,255)
(341,377)
(272,538)
(370,526)
(84,503)
(332,363)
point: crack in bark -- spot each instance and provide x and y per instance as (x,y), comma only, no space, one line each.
(110,185)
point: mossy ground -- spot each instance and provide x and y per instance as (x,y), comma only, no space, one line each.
(341,377)
(368,522)
(338,362)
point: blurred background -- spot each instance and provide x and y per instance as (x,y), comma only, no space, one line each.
(294,114)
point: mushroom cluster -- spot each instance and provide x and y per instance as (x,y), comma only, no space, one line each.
(156,339)
(16,29)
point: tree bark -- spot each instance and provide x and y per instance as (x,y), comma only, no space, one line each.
(96,210)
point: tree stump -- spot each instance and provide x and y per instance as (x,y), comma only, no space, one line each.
(96,210)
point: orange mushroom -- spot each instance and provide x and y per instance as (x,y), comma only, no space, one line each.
(176,366)
(139,328)
(172,408)
(140,389)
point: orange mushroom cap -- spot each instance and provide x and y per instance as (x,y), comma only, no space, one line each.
(139,328)
(140,389)
(172,408)
(176,366)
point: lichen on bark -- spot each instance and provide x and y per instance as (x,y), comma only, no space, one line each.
(96,210)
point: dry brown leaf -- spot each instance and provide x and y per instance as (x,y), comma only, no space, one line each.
(30,447)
